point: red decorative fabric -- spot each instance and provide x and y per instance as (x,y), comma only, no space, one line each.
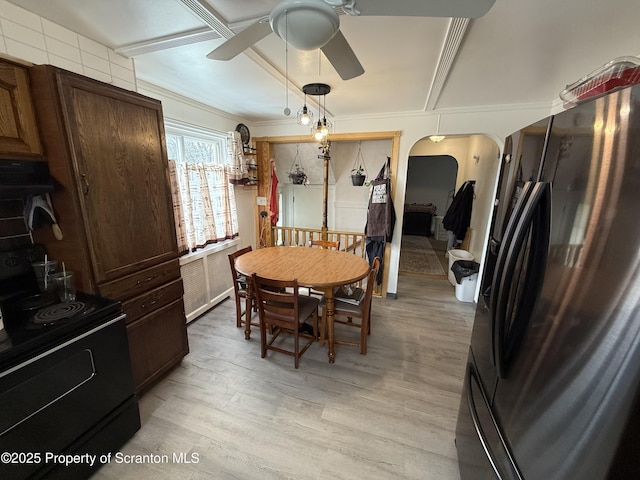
(273,196)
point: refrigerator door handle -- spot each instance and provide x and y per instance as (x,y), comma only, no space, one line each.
(477,425)
(507,238)
(536,220)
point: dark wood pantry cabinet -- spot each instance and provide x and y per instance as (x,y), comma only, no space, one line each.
(106,151)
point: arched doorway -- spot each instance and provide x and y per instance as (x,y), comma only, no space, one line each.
(477,159)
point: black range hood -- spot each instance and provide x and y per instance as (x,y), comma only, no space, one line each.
(24,177)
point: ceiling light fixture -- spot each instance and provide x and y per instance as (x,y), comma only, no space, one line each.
(305,116)
(437,137)
(322,128)
(313,23)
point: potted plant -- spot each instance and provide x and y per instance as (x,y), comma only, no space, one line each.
(297,176)
(358,176)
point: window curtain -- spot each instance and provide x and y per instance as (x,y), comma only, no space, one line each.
(204,204)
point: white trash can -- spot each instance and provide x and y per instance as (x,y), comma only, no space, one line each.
(454,256)
(466,288)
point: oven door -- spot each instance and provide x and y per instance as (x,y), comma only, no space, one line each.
(49,402)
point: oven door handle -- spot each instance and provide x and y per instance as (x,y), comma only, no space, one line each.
(120,317)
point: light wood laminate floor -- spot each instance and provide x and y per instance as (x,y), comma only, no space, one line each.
(388,415)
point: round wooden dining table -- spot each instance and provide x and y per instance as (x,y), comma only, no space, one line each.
(322,269)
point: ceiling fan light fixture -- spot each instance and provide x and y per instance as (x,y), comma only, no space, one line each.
(311,23)
(436,138)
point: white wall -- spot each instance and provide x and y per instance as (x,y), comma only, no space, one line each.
(30,38)
(483,167)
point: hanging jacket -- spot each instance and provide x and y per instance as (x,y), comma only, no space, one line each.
(458,216)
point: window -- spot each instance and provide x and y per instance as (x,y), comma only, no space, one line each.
(204,201)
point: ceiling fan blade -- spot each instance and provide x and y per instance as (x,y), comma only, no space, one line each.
(425,8)
(339,53)
(241,41)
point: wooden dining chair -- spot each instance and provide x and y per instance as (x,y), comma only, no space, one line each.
(320,244)
(324,244)
(240,289)
(361,311)
(282,310)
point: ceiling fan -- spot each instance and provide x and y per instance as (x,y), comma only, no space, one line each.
(312,24)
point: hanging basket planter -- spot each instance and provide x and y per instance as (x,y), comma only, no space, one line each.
(297,178)
(359,170)
(357,180)
(297,174)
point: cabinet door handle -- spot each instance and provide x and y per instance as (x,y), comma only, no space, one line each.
(85,184)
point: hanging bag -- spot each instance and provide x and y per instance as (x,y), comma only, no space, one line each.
(380,213)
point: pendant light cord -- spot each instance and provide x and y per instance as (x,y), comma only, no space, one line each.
(286,62)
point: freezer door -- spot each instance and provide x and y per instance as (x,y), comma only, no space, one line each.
(482,452)
(568,391)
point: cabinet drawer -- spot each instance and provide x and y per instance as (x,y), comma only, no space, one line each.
(157,342)
(152,300)
(140,282)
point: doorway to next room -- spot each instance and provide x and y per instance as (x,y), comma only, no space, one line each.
(431,183)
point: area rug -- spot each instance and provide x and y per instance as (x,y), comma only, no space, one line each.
(417,256)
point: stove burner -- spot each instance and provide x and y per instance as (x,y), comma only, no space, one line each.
(38,301)
(57,312)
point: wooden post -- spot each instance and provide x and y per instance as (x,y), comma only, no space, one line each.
(326,147)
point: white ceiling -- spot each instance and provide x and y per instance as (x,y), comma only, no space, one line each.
(520,52)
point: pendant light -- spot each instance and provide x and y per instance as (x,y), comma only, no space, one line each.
(305,116)
(322,128)
(287,110)
(437,137)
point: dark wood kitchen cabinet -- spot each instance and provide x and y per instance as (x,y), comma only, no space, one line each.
(18,127)
(106,151)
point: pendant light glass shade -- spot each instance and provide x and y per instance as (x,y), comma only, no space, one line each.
(316,131)
(305,116)
(326,127)
(321,130)
(436,138)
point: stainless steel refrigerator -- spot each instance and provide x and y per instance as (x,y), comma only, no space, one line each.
(551,387)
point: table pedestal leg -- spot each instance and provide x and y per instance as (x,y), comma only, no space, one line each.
(330,308)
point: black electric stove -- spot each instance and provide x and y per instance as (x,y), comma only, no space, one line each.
(66,385)
(35,322)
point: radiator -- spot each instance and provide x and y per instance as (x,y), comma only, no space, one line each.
(207,278)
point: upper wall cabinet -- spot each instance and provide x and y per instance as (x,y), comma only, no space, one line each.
(18,128)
